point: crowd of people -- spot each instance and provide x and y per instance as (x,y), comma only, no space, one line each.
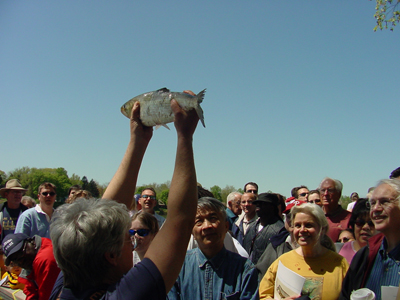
(101,249)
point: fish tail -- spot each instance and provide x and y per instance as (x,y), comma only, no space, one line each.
(200,113)
(200,96)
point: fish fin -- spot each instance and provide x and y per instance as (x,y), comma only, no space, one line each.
(164,125)
(163,90)
(200,96)
(200,113)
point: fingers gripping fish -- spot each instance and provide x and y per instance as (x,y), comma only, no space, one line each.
(155,107)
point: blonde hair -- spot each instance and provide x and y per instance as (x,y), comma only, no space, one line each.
(318,214)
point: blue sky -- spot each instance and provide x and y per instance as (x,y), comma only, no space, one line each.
(296,90)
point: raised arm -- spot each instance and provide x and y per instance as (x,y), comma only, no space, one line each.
(123,184)
(168,248)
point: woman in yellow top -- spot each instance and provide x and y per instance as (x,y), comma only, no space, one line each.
(315,259)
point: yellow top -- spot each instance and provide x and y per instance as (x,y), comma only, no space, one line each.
(324,275)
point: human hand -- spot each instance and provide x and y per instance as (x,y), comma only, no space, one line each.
(137,128)
(185,121)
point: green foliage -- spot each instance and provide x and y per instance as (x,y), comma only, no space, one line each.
(387,14)
(344,201)
(3,178)
(164,196)
(92,187)
(226,191)
(216,190)
(32,178)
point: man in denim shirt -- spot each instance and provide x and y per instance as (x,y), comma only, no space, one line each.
(211,271)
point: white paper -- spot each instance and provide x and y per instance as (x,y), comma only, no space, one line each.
(389,292)
(287,283)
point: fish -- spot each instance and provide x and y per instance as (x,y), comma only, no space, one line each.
(155,106)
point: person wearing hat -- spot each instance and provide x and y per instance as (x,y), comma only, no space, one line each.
(12,208)
(35,256)
(268,224)
(281,243)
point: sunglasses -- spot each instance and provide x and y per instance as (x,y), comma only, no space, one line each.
(140,232)
(303,194)
(48,193)
(361,223)
(252,191)
(343,240)
(148,196)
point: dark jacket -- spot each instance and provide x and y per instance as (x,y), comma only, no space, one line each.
(255,242)
(360,267)
(2,207)
(276,248)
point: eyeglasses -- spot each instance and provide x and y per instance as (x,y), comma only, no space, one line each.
(361,223)
(343,240)
(250,202)
(330,191)
(48,193)
(303,194)
(314,201)
(252,191)
(384,202)
(148,196)
(140,232)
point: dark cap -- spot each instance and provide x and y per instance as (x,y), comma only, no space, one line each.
(12,243)
(267,198)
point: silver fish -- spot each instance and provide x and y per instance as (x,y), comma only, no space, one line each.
(155,107)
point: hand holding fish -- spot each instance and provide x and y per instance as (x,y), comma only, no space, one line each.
(155,107)
(185,121)
(138,130)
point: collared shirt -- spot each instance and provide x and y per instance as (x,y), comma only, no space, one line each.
(225,276)
(386,269)
(34,221)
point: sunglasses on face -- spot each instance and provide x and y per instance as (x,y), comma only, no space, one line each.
(148,196)
(48,193)
(252,191)
(303,194)
(140,232)
(361,223)
(343,240)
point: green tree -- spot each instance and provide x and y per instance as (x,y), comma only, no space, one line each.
(3,178)
(387,14)
(216,190)
(226,191)
(344,201)
(85,183)
(92,187)
(164,196)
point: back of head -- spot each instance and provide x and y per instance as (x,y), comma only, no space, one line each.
(395,174)
(202,192)
(82,232)
(79,194)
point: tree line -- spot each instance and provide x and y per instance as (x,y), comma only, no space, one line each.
(32,178)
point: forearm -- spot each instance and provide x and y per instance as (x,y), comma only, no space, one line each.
(168,248)
(123,184)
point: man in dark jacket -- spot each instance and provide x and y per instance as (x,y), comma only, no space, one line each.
(12,208)
(269,223)
(281,243)
(376,266)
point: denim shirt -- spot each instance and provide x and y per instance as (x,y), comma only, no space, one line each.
(225,276)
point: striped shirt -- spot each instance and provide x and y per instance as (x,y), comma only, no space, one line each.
(386,269)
